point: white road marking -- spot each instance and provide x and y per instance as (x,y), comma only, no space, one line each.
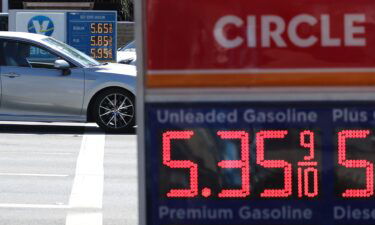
(90,218)
(42,206)
(32,153)
(33,206)
(34,174)
(87,191)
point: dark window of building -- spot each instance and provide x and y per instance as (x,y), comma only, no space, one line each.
(3,22)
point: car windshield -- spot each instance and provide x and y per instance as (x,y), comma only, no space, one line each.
(72,52)
(129,47)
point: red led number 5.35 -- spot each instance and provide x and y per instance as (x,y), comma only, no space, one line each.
(307,168)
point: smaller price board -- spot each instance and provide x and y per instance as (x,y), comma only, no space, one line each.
(260,163)
(93,33)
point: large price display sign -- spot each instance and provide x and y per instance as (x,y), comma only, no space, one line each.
(246,114)
(93,33)
(257,163)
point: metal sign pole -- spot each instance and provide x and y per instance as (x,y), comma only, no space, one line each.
(139,31)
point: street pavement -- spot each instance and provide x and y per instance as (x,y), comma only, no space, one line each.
(66,174)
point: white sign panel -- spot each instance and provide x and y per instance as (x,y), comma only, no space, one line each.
(50,24)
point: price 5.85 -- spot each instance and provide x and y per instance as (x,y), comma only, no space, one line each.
(307,168)
(101,41)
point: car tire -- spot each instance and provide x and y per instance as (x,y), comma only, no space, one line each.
(114,111)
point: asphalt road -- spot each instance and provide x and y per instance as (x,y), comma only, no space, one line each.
(66,174)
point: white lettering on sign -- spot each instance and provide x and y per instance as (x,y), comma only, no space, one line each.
(182,116)
(293,34)
(268,34)
(289,115)
(351,30)
(197,213)
(349,115)
(349,213)
(220,36)
(327,40)
(281,213)
(273,27)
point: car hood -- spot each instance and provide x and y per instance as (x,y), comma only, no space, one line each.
(114,68)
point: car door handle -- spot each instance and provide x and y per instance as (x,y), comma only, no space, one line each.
(11,75)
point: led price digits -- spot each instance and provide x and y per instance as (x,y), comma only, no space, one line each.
(101,41)
(342,160)
(243,164)
(307,168)
(101,53)
(287,167)
(101,28)
(167,137)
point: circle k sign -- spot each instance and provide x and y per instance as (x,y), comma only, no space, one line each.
(220,43)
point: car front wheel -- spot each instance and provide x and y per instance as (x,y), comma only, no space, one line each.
(114,111)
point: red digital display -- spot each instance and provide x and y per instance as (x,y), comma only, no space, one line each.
(243,164)
(286,164)
(167,137)
(264,164)
(308,167)
(343,137)
(287,167)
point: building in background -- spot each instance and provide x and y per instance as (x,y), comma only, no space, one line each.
(124,7)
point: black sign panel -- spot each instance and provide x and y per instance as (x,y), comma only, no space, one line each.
(260,163)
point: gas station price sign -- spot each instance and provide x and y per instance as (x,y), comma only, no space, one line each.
(234,129)
(93,33)
(257,163)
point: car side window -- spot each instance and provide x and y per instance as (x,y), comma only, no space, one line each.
(40,58)
(26,55)
(11,55)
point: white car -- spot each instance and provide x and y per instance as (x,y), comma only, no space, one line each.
(45,80)
(127,54)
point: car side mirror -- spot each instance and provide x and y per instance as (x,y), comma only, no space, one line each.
(63,65)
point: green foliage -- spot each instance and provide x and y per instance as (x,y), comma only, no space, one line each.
(127,10)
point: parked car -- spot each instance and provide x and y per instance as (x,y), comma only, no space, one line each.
(43,79)
(127,54)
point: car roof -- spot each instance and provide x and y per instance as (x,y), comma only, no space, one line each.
(22,35)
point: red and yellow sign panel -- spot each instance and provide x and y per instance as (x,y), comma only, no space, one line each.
(221,43)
